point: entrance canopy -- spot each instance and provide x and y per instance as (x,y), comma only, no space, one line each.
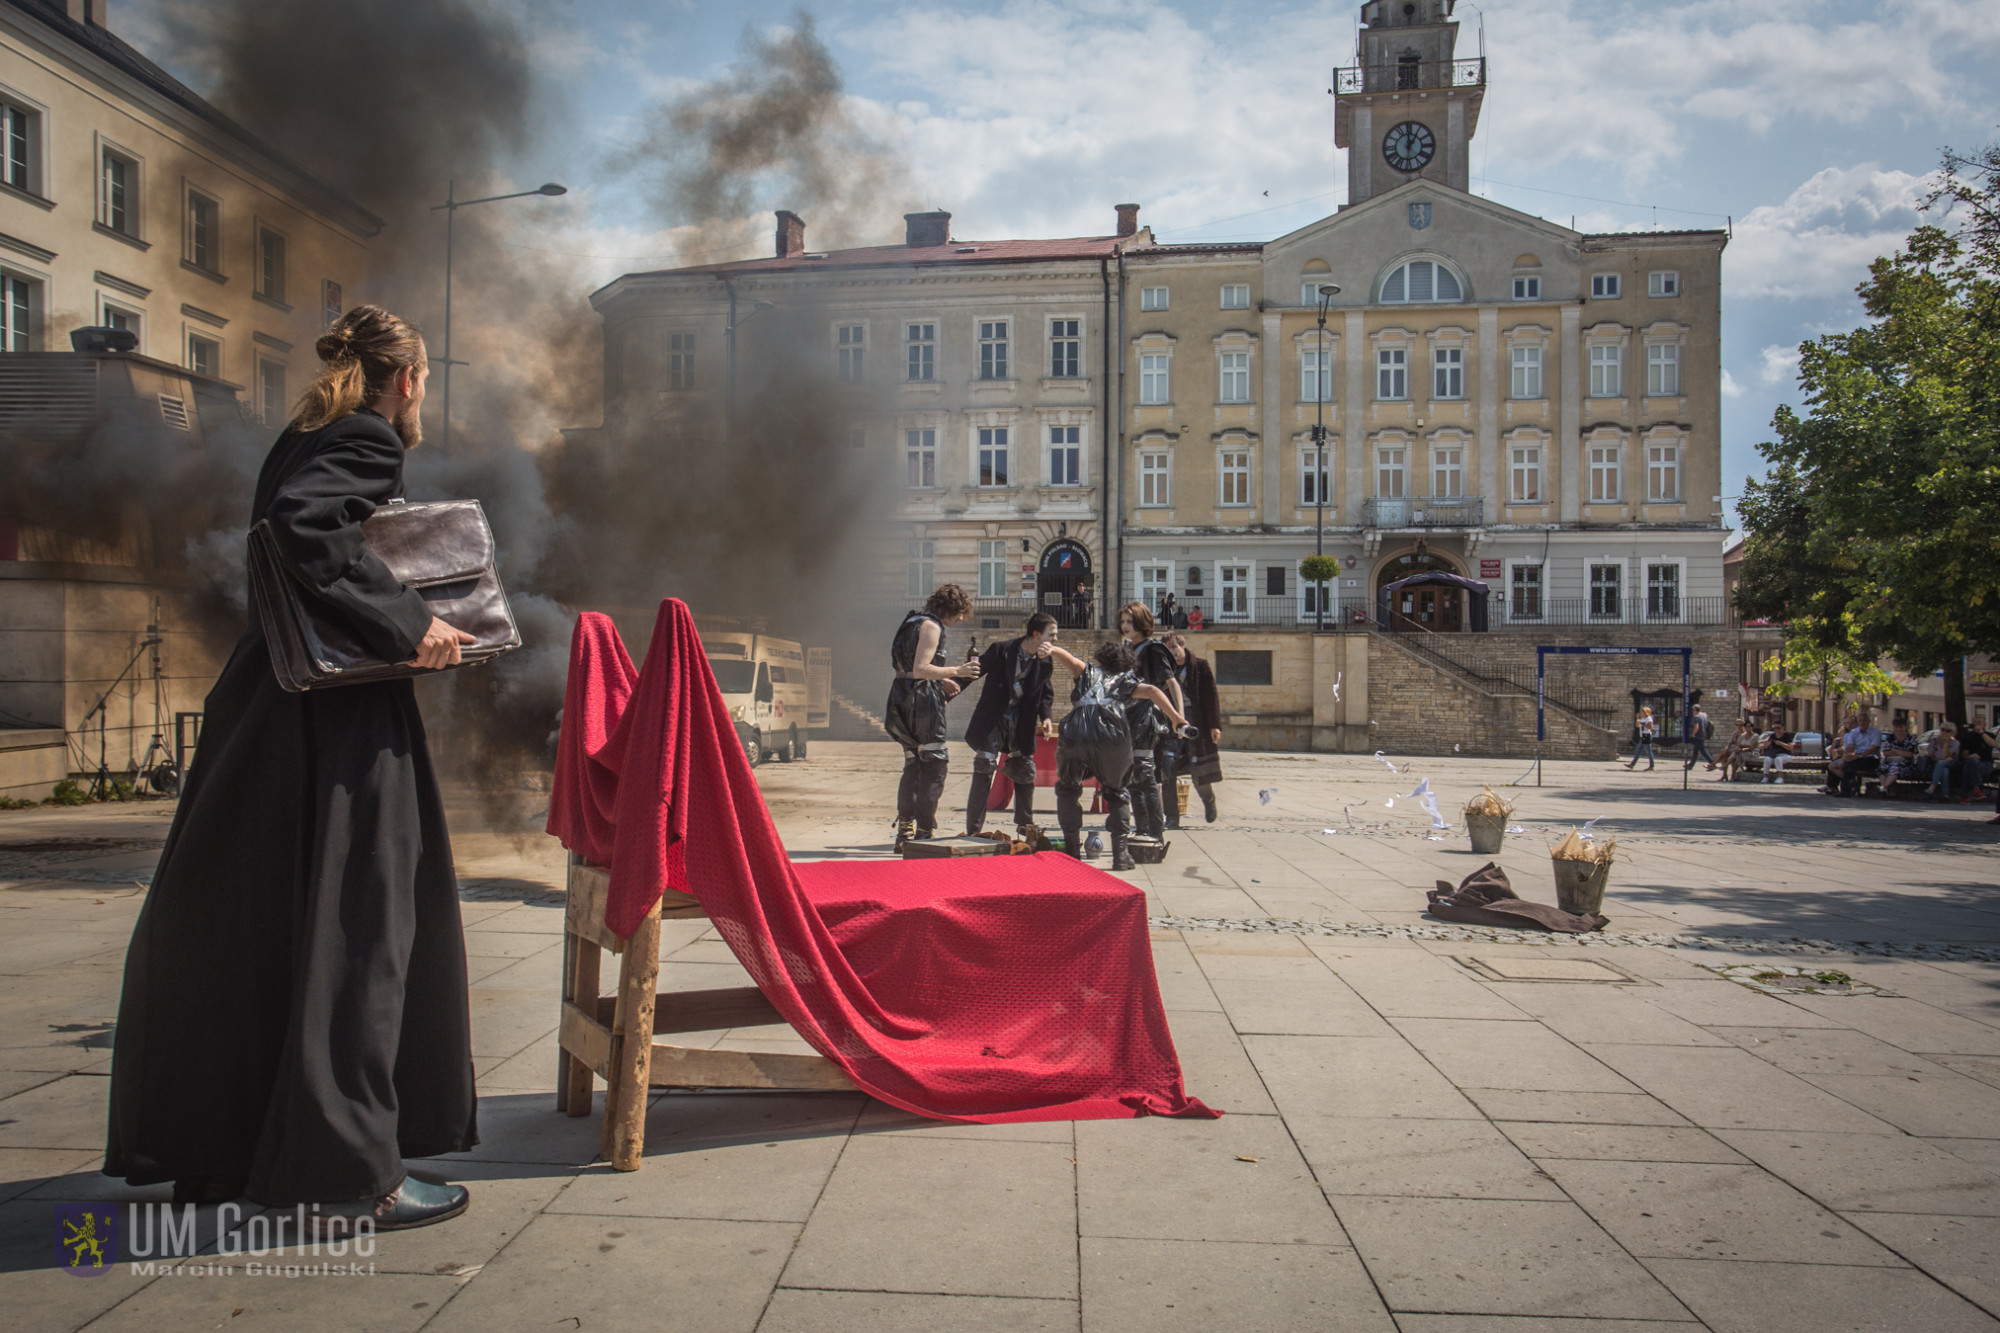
(1475,602)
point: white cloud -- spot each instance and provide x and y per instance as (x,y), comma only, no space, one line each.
(1779,364)
(1819,241)
(1730,388)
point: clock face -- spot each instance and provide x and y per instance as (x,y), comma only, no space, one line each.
(1409,146)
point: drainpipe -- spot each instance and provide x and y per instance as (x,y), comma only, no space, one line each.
(1104,435)
(1118,565)
(729,373)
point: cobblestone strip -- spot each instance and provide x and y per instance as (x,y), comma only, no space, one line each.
(1779,944)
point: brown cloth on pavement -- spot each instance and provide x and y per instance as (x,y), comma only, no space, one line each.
(1486,899)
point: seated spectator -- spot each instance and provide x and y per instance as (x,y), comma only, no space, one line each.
(1778,746)
(1860,756)
(1735,756)
(1975,761)
(1942,752)
(1899,755)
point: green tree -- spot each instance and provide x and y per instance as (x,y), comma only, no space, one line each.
(1806,659)
(1877,532)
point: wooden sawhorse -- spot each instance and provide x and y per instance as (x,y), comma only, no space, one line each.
(612,1036)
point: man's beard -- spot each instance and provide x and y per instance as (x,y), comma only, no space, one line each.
(409,424)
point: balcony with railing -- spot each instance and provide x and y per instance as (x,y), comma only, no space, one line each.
(1402,75)
(1416,511)
(1652,611)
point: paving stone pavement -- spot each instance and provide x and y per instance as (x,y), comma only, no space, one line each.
(1768,1098)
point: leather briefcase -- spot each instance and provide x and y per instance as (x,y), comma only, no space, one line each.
(443,550)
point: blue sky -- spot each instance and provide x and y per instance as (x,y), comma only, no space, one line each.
(1811,125)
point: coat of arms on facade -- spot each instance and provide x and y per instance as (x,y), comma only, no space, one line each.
(86,1239)
(1420,216)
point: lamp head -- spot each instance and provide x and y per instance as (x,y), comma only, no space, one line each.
(552,189)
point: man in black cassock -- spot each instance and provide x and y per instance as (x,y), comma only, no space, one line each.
(1019,694)
(294,1020)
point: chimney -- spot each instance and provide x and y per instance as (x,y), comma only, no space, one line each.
(926,229)
(88,11)
(791,234)
(1128,219)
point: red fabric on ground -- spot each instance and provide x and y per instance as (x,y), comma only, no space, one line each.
(984,989)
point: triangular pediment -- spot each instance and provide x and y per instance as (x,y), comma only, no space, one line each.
(1447,207)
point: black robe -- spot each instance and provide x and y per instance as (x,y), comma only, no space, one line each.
(295,1007)
(996,698)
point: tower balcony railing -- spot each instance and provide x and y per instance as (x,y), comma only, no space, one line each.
(1401,75)
(1420,511)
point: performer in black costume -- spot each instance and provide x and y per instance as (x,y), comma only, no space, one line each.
(1149,734)
(914,717)
(1112,668)
(1198,757)
(294,1020)
(1017,698)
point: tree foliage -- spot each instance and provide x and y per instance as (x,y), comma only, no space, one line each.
(1807,659)
(1877,531)
(1319,568)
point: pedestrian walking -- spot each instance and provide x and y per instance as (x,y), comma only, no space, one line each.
(1017,697)
(1698,727)
(294,1021)
(914,716)
(1644,729)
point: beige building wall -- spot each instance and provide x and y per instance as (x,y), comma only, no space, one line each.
(219,254)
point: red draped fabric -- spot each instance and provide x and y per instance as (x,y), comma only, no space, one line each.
(984,989)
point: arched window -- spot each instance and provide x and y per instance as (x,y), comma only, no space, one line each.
(1421,280)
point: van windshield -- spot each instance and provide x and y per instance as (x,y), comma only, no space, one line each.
(733,675)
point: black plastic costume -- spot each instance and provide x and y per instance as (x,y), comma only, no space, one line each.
(1095,741)
(914,719)
(1149,732)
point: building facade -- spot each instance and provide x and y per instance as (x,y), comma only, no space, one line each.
(126,200)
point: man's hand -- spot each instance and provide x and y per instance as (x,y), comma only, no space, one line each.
(1047,646)
(968,671)
(1046,728)
(439,648)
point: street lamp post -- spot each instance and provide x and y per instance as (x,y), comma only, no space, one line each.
(450,207)
(1322,383)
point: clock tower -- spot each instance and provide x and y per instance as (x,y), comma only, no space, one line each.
(1407,108)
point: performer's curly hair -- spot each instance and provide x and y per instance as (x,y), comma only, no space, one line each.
(949,602)
(1115,656)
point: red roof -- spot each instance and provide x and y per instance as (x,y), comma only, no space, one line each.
(892,256)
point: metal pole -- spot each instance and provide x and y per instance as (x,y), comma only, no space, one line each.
(1687,712)
(1319,459)
(450,213)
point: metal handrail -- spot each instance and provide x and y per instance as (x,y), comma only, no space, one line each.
(1391,76)
(1421,511)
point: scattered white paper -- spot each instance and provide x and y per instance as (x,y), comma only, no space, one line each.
(1385,761)
(1515,828)
(1264,796)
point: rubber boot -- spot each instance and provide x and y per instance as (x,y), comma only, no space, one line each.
(1073,839)
(1121,856)
(975,803)
(906,832)
(1170,803)
(1149,812)
(1207,803)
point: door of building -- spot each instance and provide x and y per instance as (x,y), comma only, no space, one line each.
(1063,584)
(1440,610)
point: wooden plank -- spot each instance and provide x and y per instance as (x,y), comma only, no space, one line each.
(587,958)
(934,848)
(690,1067)
(704,1010)
(590,890)
(589,1044)
(631,1060)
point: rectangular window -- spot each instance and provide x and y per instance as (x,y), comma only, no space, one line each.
(1235,385)
(1154,492)
(204,355)
(1236,296)
(1155,581)
(1065,348)
(993,456)
(1315,375)
(1607,365)
(1235,594)
(17,305)
(1235,474)
(1309,293)
(920,455)
(1153,378)
(1236,666)
(1313,478)
(1604,286)
(203,233)
(680,361)
(1065,455)
(271,392)
(1527,372)
(1311,595)
(920,346)
(329,303)
(1527,474)
(1274,580)
(1448,472)
(1448,372)
(1527,289)
(850,342)
(1663,592)
(118,195)
(1524,593)
(919,559)
(271,264)
(1666,283)
(993,349)
(20,144)
(1392,374)
(993,568)
(1607,591)
(1389,472)
(1663,473)
(1152,298)
(1604,474)
(1663,370)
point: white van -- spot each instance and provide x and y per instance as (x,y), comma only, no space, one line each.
(778,692)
